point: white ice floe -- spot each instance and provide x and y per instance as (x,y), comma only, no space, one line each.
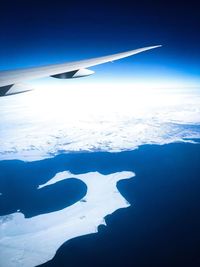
(33,241)
(85,117)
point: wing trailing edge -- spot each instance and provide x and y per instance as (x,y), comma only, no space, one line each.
(14,89)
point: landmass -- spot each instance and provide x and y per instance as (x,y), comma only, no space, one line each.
(27,242)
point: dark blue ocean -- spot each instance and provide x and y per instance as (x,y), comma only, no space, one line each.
(161,228)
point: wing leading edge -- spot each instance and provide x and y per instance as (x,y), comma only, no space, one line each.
(11,79)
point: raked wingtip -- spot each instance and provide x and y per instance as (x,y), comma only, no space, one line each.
(156,46)
(152,47)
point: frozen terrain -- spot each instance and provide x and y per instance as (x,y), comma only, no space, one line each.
(33,241)
(95,118)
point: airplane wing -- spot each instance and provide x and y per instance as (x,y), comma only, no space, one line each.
(11,81)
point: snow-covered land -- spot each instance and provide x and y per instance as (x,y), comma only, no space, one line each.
(33,241)
(82,117)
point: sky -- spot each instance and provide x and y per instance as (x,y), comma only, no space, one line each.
(43,32)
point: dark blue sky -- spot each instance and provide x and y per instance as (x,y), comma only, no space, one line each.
(45,32)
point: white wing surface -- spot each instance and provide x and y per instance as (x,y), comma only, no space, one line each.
(11,81)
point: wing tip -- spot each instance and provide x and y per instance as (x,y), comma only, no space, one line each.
(154,46)
(149,48)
